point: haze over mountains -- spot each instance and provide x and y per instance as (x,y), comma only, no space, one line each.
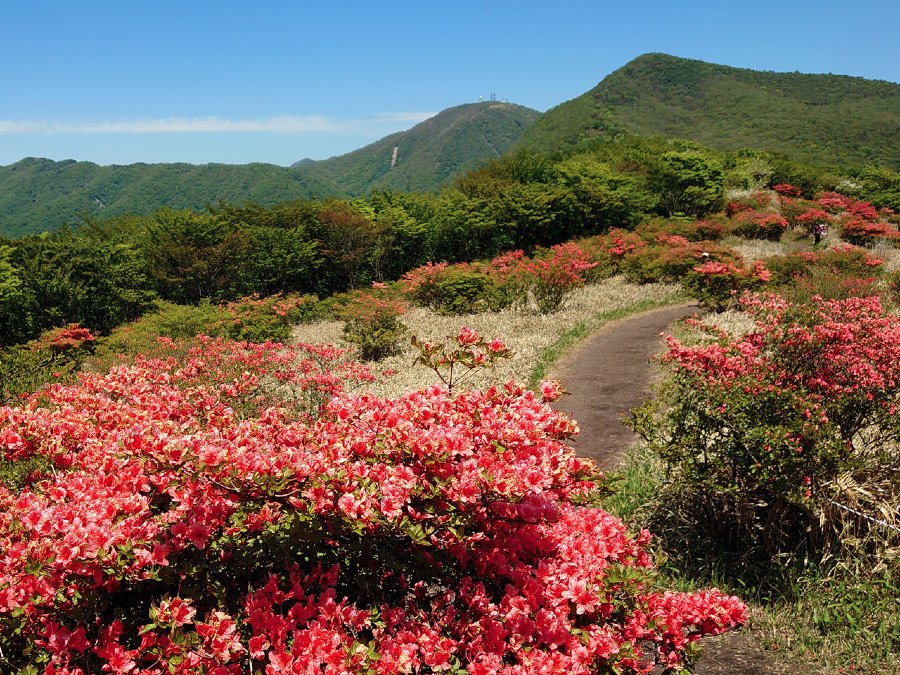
(823,119)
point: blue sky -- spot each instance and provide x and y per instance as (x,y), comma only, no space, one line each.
(275,81)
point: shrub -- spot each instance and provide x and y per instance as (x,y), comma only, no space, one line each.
(782,418)
(553,273)
(717,284)
(418,534)
(866,233)
(787,190)
(710,229)
(833,202)
(372,323)
(835,261)
(758,225)
(660,263)
(463,288)
(755,201)
(808,218)
(256,319)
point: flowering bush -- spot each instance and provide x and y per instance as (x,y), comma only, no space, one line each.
(833,202)
(808,218)
(759,225)
(787,190)
(716,284)
(553,273)
(256,319)
(692,230)
(55,355)
(372,323)
(866,233)
(669,260)
(427,533)
(756,201)
(777,416)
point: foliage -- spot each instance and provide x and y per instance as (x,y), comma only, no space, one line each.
(459,356)
(192,257)
(783,419)
(372,323)
(818,119)
(689,183)
(759,225)
(429,532)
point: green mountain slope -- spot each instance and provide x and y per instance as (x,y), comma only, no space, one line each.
(823,119)
(37,195)
(430,154)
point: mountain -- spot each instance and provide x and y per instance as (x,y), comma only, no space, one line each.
(431,153)
(37,195)
(821,119)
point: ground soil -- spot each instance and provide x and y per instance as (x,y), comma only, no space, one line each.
(607,375)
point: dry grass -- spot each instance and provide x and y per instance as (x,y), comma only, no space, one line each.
(529,335)
(759,249)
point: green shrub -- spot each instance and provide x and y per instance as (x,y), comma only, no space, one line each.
(372,324)
(459,289)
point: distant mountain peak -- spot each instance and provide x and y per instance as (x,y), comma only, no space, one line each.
(823,119)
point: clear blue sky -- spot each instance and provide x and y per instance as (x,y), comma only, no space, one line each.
(198,81)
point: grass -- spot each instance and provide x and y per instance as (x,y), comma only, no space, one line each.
(815,616)
(534,338)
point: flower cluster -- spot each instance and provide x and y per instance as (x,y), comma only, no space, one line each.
(812,393)
(426,533)
(759,225)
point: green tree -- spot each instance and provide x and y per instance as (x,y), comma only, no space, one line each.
(688,182)
(195,256)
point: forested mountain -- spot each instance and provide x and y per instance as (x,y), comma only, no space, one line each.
(822,119)
(428,155)
(39,194)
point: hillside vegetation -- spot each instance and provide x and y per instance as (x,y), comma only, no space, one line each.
(39,195)
(821,119)
(430,154)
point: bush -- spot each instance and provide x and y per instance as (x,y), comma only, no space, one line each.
(458,289)
(786,418)
(656,263)
(845,261)
(758,225)
(255,319)
(717,285)
(553,273)
(372,323)
(866,233)
(418,534)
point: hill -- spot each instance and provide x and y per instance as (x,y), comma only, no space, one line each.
(430,154)
(38,195)
(821,119)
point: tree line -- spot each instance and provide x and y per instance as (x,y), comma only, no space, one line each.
(102,273)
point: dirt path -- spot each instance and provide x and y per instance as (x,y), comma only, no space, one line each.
(607,375)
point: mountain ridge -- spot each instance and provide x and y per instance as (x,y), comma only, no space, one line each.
(823,119)
(38,194)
